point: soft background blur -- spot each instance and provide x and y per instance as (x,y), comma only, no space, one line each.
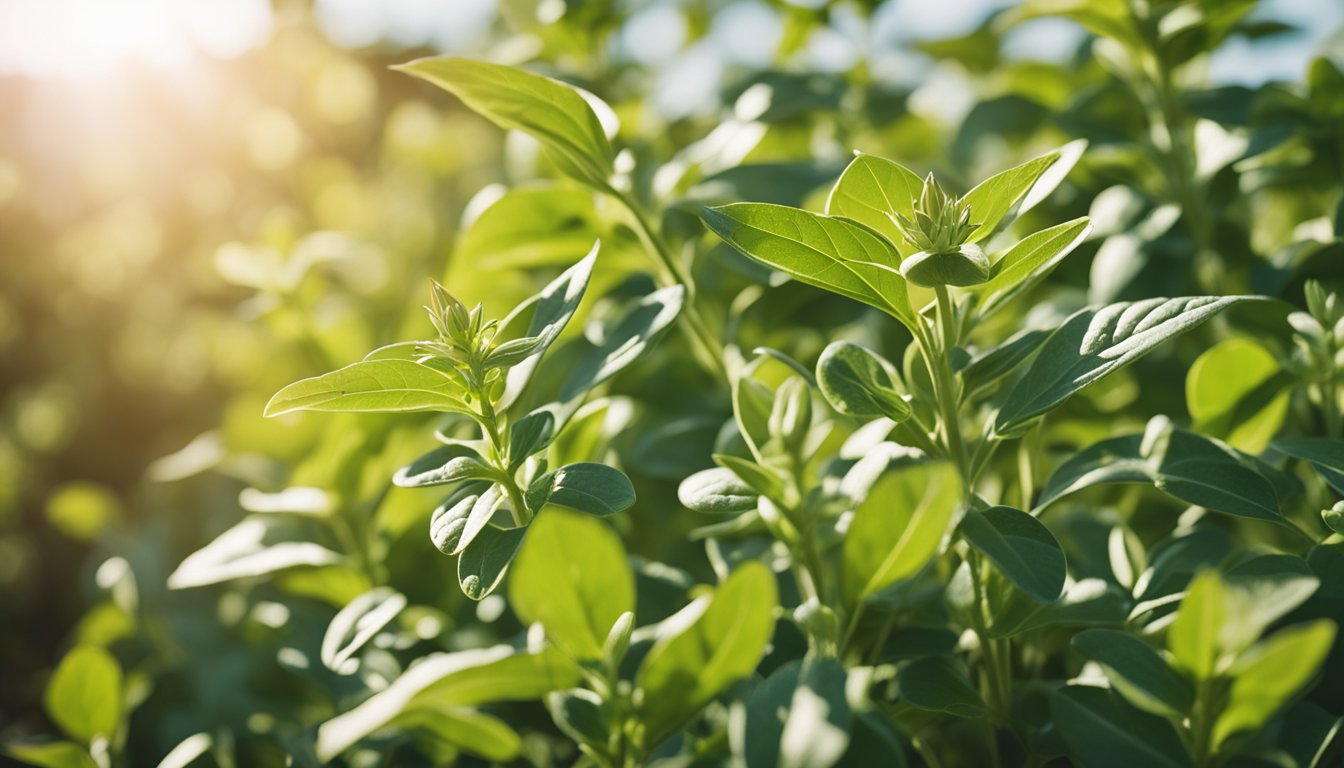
(202,200)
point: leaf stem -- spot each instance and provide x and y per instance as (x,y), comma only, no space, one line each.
(500,461)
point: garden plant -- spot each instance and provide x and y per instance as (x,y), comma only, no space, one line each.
(817,438)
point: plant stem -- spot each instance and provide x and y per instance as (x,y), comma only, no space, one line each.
(944,385)
(500,461)
(703,342)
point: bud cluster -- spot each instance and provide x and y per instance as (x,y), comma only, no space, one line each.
(1318,335)
(939,227)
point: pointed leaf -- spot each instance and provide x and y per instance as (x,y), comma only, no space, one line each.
(374,386)
(586,486)
(1028,262)
(1022,548)
(873,189)
(1137,671)
(1103,732)
(481,566)
(356,624)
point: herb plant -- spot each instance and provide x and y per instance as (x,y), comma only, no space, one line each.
(842,478)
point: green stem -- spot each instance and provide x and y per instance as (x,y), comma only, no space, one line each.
(703,342)
(500,462)
(944,385)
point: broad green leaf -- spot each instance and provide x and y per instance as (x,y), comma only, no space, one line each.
(538,225)
(1260,591)
(579,715)
(797,718)
(622,341)
(988,367)
(1094,343)
(257,546)
(356,624)
(1137,671)
(993,198)
(760,479)
(1192,468)
(835,254)
(481,514)
(1022,548)
(443,465)
(481,566)
(571,575)
(1308,732)
(1086,603)
(586,486)
(1236,391)
(1326,456)
(871,190)
(714,642)
(551,311)
(899,527)
(752,403)
(1103,732)
(716,490)
(449,519)
(51,754)
(466,729)
(1028,262)
(939,684)
(84,695)
(530,435)
(1194,638)
(379,386)
(857,382)
(445,680)
(552,112)
(1268,675)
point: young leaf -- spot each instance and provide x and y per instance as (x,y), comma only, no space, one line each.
(1137,671)
(443,465)
(798,718)
(1193,468)
(1236,391)
(84,695)
(856,382)
(717,490)
(481,565)
(1028,262)
(551,312)
(992,198)
(835,254)
(1022,548)
(356,624)
(871,191)
(1095,343)
(381,386)
(530,435)
(571,575)
(900,525)
(623,340)
(1268,675)
(586,486)
(444,680)
(550,111)
(684,671)
(479,516)
(1194,636)
(449,519)
(1103,732)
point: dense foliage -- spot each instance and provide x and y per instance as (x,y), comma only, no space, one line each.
(738,441)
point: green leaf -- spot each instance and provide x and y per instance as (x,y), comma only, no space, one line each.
(1268,675)
(466,729)
(551,311)
(1028,262)
(1194,636)
(84,695)
(552,112)
(992,198)
(374,386)
(1260,591)
(988,367)
(481,565)
(449,519)
(442,681)
(539,225)
(710,644)
(1326,456)
(1103,732)
(1022,548)
(1192,468)
(443,465)
(1137,671)
(528,435)
(578,713)
(837,255)
(356,624)
(1237,391)
(52,754)
(717,490)
(798,718)
(624,339)
(899,526)
(939,684)
(1086,603)
(257,546)
(481,514)
(1095,343)
(857,382)
(571,575)
(871,190)
(759,479)
(586,486)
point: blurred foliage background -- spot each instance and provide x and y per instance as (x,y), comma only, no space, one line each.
(203,201)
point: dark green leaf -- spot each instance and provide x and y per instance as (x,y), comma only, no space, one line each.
(1325,454)
(1022,548)
(586,486)
(939,684)
(445,464)
(1137,671)
(1103,732)
(481,566)
(798,718)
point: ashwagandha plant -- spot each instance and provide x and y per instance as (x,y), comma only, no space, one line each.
(931,540)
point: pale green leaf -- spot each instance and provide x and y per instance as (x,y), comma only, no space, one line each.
(84,695)
(390,386)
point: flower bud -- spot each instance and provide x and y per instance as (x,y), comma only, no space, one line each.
(966,265)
